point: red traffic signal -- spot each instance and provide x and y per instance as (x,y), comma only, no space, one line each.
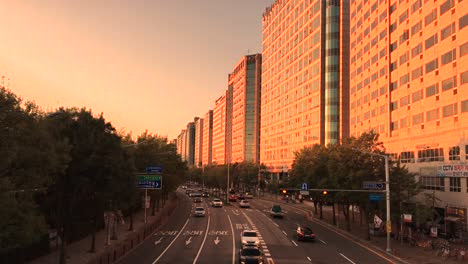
(284,191)
(324,192)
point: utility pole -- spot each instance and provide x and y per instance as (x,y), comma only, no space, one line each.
(387,191)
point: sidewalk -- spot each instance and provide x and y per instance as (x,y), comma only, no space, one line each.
(403,253)
(77,252)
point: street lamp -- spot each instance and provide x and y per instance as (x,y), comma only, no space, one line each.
(387,194)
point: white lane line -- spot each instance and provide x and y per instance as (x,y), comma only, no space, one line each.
(268,254)
(322,241)
(347,258)
(309,259)
(284,232)
(233,241)
(294,242)
(276,224)
(180,232)
(203,242)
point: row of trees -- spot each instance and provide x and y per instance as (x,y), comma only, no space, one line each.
(346,166)
(62,170)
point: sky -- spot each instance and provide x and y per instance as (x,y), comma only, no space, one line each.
(146,65)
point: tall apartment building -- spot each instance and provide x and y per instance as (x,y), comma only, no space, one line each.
(181,144)
(219,130)
(245,82)
(304,97)
(198,142)
(207,149)
(409,83)
(190,143)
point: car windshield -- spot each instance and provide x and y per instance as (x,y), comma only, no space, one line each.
(307,230)
(216,200)
(250,252)
(250,234)
(199,209)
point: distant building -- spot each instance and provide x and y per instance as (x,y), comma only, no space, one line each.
(198,142)
(207,151)
(190,143)
(181,145)
(219,130)
(245,83)
(304,98)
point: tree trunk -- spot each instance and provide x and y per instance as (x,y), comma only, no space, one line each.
(315,206)
(367,221)
(346,215)
(62,259)
(92,249)
(334,214)
(130,228)
(321,210)
(352,210)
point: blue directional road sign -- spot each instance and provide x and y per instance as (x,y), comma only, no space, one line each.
(149,181)
(154,169)
(304,186)
(375,197)
(373,185)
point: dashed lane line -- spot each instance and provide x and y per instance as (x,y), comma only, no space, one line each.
(172,242)
(347,258)
(284,232)
(294,242)
(309,259)
(233,241)
(204,239)
(322,241)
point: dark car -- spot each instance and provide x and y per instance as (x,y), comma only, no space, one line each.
(205,194)
(232,198)
(197,200)
(276,211)
(241,197)
(250,255)
(304,233)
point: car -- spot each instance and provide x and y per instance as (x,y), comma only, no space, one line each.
(240,197)
(199,211)
(184,187)
(217,203)
(194,194)
(251,255)
(205,194)
(232,198)
(249,238)
(248,195)
(304,233)
(197,200)
(276,211)
(244,204)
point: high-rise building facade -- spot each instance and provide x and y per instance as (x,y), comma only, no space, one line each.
(304,71)
(190,143)
(245,83)
(219,130)
(181,145)
(409,83)
(198,152)
(207,149)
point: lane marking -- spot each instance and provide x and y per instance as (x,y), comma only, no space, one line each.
(347,258)
(233,241)
(322,241)
(284,232)
(175,238)
(309,259)
(275,224)
(294,243)
(203,242)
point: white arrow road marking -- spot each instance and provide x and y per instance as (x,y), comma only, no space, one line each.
(188,241)
(216,241)
(158,241)
(178,234)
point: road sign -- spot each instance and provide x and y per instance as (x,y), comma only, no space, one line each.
(154,169)
(304,192)
(389,227)
(373,185)
(149,181)
(375,197)
(304,186)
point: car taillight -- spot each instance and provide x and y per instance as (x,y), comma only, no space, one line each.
(301,234)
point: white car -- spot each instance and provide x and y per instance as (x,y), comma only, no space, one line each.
(199,211)
(244,204)
(217,203)
(248,196)
(249,238)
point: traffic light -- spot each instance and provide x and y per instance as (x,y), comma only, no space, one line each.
(284,191)
(324,192)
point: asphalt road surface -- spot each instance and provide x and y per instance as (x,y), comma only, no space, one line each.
(215,238)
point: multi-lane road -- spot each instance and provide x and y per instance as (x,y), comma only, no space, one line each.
(215,238)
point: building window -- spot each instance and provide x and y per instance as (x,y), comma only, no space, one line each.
(432,90)
(416,73)
(455,184)
(404,101)
(393,46)
(449,57)
(463,22)
(415,6)
(394,126)
(404,58)
(383,34)
(404,79)
(393,105)
(431,17)
(464,106)
(393,86)
(416,50)
(454,153)
(449,83)
(433,183)
(416,96)
(463,78)
(432,115)
(449,110)
(431,41)
(464,49)
(416,28)
(446,6)
(405,122)
(431,155)
(405,36)
(432,65)
(407,157)
(403,16)
(418,119)
(393,66)
(447,31)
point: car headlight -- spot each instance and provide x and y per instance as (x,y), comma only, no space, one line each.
(244,241)
(257,242)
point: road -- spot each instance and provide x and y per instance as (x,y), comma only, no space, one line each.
(215,238)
